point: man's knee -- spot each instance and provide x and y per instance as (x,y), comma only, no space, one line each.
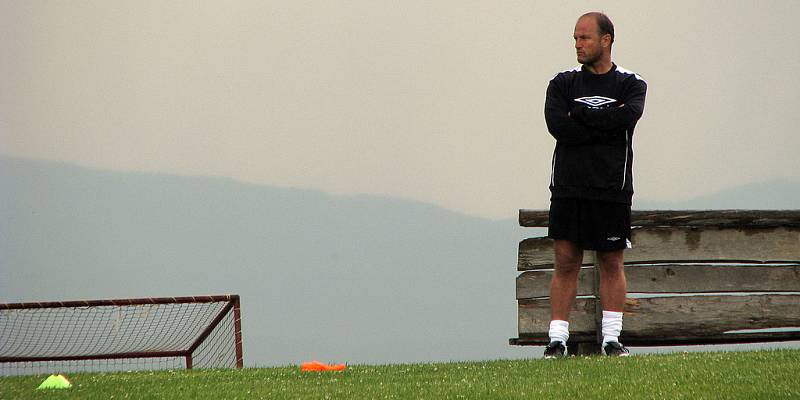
(568,257)
(611,262)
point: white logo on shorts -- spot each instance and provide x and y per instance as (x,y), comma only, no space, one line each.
(613,238)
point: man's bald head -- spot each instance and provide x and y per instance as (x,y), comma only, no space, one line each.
(604,24)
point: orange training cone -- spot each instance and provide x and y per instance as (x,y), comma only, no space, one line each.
(318,366)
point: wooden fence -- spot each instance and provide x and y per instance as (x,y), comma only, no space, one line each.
(694,277)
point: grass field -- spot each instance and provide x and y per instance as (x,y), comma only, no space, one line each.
(773,374)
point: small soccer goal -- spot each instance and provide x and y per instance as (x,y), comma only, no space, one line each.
(121,335)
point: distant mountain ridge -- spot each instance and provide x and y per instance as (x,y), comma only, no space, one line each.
(349,279)
(780,194)
(353,279)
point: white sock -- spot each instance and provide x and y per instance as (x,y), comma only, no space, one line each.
(559,331)
(612,326)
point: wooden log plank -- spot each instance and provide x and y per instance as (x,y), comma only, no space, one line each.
(670,278)
(694,316)
(543,340)
(697,218)
(684,244)
(533,284)
(534,218)
(537,253)
(534,317)
(712,278)
(676,317)
(718,218)
(676,243)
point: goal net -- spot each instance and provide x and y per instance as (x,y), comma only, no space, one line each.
(120,335)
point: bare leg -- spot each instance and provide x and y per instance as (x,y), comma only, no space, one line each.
(613,286)
(563,286)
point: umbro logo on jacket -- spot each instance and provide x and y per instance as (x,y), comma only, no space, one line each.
(596,101)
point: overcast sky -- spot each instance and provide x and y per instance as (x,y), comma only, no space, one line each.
(439,101)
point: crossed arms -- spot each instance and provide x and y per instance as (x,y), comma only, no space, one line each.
(580,124)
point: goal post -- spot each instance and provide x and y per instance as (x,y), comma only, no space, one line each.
(121,334)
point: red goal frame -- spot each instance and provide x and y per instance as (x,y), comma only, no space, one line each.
(233,303)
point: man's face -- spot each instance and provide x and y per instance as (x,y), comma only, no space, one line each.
(588,42)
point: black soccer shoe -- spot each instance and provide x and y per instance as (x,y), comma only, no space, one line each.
(555,349)
(616,349)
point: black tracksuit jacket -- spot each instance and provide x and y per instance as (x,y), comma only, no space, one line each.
(592,117)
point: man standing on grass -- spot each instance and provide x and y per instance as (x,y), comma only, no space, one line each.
(591,111)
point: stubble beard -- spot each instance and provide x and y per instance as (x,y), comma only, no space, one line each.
(588,60)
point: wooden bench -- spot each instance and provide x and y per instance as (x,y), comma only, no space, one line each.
(694,278)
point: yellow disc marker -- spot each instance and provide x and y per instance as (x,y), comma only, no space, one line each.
(55,382)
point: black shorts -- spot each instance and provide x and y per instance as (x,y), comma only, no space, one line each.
(591,224)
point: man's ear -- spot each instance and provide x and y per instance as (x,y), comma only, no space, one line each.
(605,41)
